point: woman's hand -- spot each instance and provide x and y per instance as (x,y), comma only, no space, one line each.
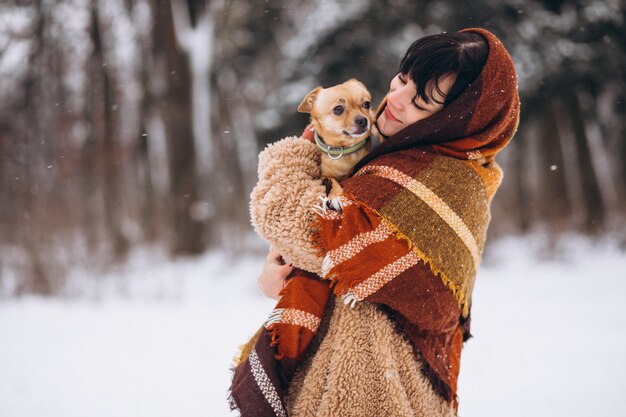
(274,274)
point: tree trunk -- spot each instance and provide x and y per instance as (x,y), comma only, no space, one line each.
(554,199)
(103,129)
(187,237)
(592,197)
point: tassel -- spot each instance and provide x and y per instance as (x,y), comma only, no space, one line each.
(329,209)
(274,317)
(350,299)
(327,265)
(321,209)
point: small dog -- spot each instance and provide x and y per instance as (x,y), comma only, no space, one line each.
(343,120)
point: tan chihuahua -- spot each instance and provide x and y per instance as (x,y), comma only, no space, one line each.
(342,118)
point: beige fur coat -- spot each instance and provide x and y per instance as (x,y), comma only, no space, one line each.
(359,365)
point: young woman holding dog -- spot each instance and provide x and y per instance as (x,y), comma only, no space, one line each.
(372,318)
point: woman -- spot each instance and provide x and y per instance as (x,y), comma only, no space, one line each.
(401,254)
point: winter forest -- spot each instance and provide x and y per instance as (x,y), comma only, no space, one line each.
(128,123)
(130,129)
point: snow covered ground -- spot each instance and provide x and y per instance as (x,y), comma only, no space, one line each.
(155,338)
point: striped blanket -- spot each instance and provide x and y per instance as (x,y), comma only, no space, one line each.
(405,216)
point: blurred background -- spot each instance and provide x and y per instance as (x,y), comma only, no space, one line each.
(135,124)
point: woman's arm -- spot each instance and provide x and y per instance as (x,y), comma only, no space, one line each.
(289,186)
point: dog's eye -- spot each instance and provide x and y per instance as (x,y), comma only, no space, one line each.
(366,105)
(338,110)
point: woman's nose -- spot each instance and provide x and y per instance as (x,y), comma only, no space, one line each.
(395,96)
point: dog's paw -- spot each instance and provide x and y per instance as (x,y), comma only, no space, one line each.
(335,203)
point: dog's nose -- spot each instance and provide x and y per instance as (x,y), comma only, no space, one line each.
(361,121)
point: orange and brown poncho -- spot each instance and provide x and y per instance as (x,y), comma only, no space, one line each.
(409,238)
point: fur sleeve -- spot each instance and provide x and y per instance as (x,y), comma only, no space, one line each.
(280,204)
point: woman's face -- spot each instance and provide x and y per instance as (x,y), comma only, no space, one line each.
(404,109)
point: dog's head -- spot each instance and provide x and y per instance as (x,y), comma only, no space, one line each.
(342,114)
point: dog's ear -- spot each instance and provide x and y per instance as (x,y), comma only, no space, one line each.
(307,104)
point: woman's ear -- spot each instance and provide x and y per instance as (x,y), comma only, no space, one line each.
(309,101)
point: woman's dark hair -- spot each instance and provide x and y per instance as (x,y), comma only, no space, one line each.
(435,56)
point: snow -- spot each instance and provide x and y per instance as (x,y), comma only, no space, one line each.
(16,45)
(603,11)
(68,28)
(156,337)
(327,15)
(549,338)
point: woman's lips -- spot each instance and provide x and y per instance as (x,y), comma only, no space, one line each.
(390,115)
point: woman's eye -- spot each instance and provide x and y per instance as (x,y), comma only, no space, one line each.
(338,110)
(418,106)
(402,78)
(366,105)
